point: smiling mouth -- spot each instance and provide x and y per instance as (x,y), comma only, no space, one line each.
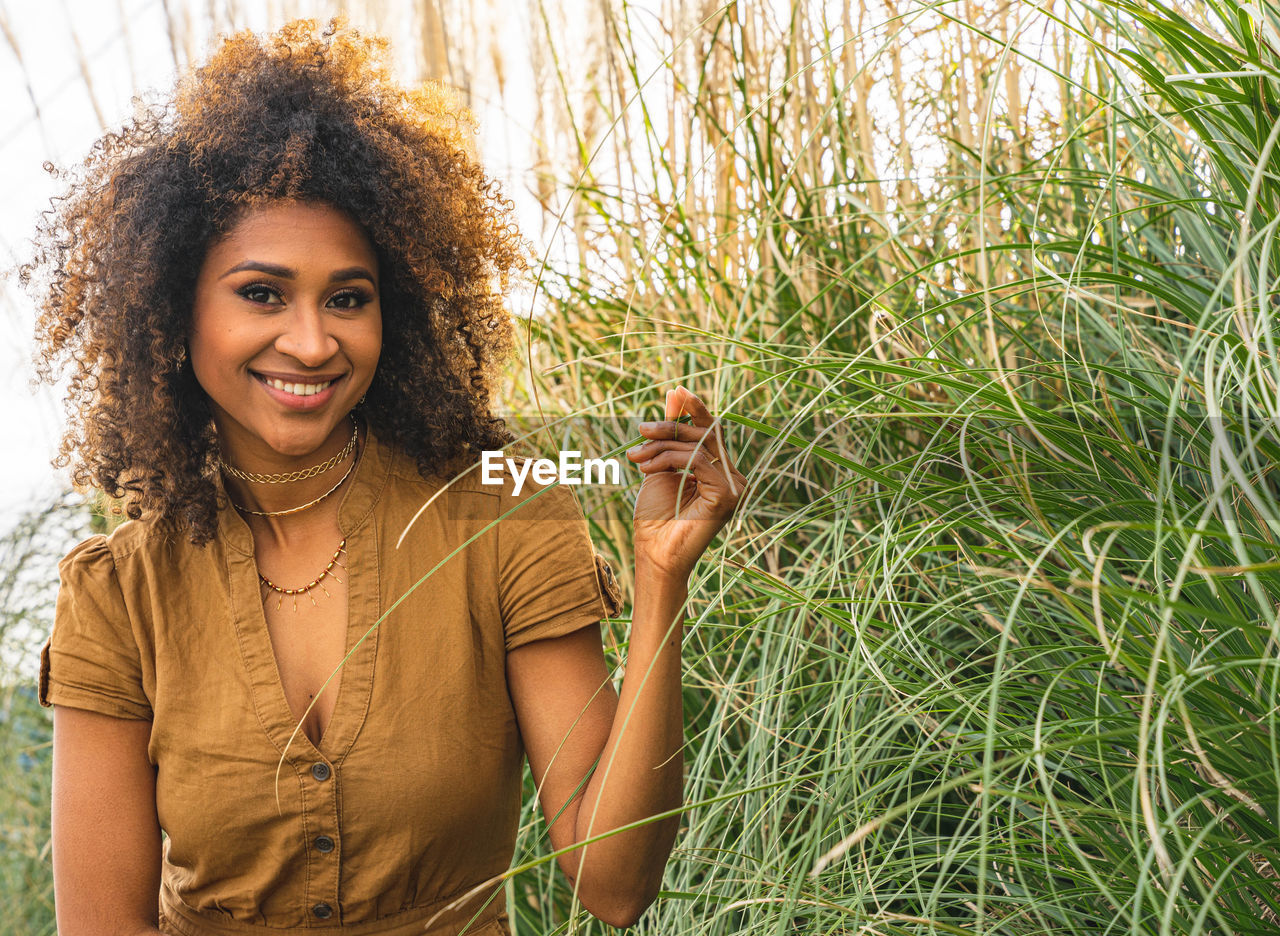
(297,389)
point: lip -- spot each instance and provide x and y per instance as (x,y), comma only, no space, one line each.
(292,400)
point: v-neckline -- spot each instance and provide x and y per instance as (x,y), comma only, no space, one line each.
(355,519)
(264,627)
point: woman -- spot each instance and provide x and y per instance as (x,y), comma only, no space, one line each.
(279,297)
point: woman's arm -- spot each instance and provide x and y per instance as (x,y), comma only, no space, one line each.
(567,708)
(106,837)
(570,715)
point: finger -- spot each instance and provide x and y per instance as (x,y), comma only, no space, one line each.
(647,450)
(705,468)
(682,402)
(670,431)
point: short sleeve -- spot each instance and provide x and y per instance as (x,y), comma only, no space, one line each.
(550,580)
(92,661)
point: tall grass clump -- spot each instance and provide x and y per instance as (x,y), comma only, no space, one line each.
(985,293)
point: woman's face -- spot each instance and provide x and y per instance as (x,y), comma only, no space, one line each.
(286,329)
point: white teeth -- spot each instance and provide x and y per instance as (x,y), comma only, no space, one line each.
(297,389)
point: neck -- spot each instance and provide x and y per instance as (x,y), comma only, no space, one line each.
(272,497)
(320,523)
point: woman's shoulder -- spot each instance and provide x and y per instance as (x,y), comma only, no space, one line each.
(469,499)
(94,657)
(101,554)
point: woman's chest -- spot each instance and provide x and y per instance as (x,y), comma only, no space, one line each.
(420,753)
(373,643)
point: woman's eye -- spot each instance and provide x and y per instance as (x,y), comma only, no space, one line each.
(256,292)
(352,299)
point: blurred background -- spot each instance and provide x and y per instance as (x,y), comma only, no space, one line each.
(985,291)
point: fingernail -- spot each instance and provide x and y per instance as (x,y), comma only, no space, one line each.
(635,451)
(648,425)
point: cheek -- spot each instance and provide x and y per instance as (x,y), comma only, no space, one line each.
(206,364)
(219,353)
(201,352)
(205,340)
(371,342)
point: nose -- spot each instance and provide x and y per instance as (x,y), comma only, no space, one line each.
(306,337)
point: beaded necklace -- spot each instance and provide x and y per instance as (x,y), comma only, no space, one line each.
(306,589)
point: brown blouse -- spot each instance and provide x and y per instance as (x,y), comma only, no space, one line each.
(412,797)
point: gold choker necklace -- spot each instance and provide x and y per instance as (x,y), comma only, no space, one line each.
(287,476)
(293,510)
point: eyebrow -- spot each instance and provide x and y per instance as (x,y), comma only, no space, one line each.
(284,272)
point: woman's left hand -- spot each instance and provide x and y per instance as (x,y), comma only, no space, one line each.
(690,488)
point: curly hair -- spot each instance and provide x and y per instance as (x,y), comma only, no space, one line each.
(305,114)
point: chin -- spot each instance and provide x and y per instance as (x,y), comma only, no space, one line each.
(299,442)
